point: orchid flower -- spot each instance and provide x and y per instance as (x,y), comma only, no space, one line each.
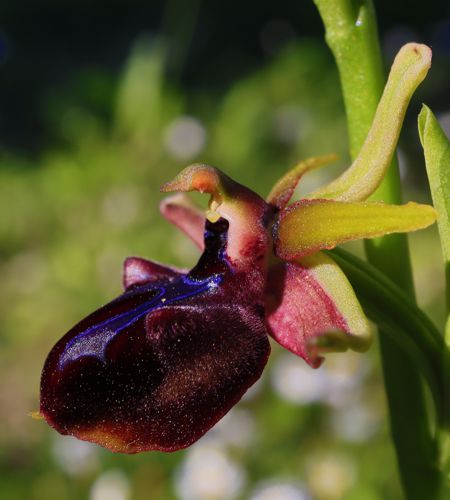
(158,366)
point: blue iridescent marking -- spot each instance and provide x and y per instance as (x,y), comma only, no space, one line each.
(94,340)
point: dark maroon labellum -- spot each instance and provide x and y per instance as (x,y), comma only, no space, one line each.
(158,366)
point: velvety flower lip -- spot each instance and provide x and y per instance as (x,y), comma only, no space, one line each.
(158,366)
(155,368)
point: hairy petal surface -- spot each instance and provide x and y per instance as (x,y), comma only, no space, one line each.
(160,385)
(312,225)
(158,366)
(312,309)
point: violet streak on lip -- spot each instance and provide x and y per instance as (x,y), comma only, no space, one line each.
(94,340)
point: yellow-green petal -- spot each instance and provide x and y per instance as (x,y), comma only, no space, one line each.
(363,177)
(283,190)
(312,225)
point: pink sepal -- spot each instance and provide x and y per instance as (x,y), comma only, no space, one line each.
(180,211)
(299,310)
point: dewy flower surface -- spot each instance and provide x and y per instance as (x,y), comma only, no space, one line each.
(158,366)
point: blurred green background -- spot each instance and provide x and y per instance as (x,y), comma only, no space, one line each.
(100,103)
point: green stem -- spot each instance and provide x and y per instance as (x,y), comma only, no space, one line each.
(351,34)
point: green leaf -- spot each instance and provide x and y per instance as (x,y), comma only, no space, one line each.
(389,307)
(436,148)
